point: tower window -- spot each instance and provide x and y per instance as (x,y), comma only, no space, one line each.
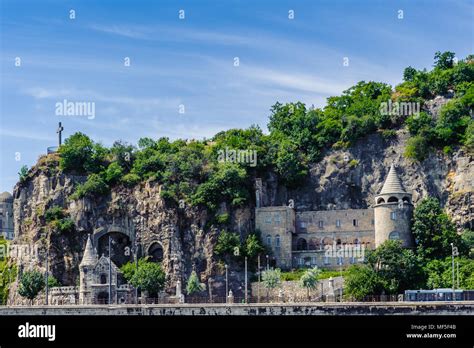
(355,222)
(394,235)
(277,241)
(269,240)
(393,215)
(338,223)
(268,219)
(321,223)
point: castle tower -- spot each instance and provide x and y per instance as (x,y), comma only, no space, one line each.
(86,267)
(393,211)
(6,215)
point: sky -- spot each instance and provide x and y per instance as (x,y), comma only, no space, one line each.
(222,66)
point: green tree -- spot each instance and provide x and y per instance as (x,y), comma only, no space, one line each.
(31,283)
(194,285)
(23,173)
(227,242)
(444,60)
(439,273)
(95,185)
(389,269)
(253,246)
(149,276)
(434,232)
(309,279)
(271,279)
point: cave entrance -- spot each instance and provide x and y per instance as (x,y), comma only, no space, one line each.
(155,252)
(121,246)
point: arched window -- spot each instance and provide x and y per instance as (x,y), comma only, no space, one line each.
(312,245)
(394,235)
(406,199)
(338,241)
(380,201)
(269,240)
(393,200)
(301,244)
(277,241)
(356,241)
(103,279)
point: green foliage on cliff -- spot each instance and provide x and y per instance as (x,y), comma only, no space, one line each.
(30,284)
(8,272)
(207,173)
(57,218)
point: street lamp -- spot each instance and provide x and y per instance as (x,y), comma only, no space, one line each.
(454,252)
(268,265)
(226,281)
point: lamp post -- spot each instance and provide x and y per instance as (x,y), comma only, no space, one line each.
(268,265)
(47,276)
(226,282)
(454,252)
(110,271)
(258,284)
(246,283)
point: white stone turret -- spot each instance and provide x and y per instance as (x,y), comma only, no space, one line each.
(86,267)
(393,211)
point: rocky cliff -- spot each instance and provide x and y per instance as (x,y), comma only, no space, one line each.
(343,179)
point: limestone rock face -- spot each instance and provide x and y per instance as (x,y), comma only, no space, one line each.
(343,179)
(351,178)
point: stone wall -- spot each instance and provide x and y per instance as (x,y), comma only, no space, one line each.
(291,290)
(390,308)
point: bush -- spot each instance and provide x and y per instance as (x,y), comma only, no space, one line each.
(94,186)
(113,173)
(54,213)
(30,284)
(79,153)
(149,276)
(130,179)
(417,148)
(227,242)
(23,173)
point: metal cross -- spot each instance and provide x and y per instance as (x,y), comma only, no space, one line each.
(59,131)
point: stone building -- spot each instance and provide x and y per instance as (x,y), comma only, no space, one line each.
(6,215)
(94,279)
(336,238)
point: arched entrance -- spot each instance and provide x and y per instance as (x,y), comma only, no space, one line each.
(120,243)
(103,297)
(155,251)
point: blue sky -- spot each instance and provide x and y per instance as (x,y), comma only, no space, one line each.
(190,62)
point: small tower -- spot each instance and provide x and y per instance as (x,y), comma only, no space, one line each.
(393,212)
(86,268)
(6,215)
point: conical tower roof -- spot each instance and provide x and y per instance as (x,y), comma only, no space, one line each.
(90,257)
(392,183)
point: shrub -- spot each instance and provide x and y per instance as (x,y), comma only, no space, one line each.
(130,179)
(194,285)
(227,242)
(31,283)
(94,186)
(23,173)
(54,213)
(417,148)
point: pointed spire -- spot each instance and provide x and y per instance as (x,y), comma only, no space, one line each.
(90,257)
(392,182)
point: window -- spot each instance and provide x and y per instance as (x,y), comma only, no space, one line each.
(313,260)
(338,223)
(340,261)
(372,221)
(394,235)
(301,261)
(326,260)
(268,219)
(393,215)
(321,223)
(103,279)
(277,219)
(277,241)
(352,260)
(301,244)
(303,224)
(269,240)
(355,222)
